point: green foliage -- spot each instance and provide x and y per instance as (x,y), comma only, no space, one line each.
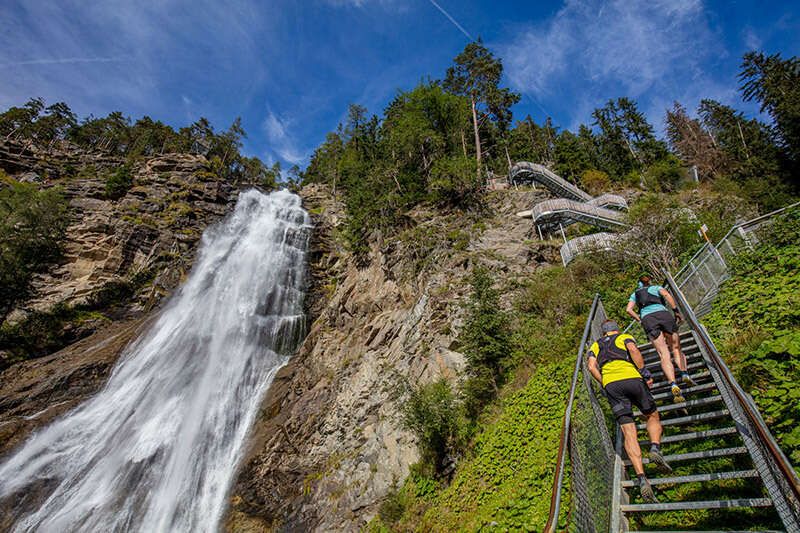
(484,342)
(484,338)
(756,321)
(117,134)
(626,140)
(507,481)
(44,332)
(37,122)
(662,231)
(664,175)
(775,83)
(453,182)
(476,73)
(571,156)
(119,182)
(32,228)
(431,412)
(595,181)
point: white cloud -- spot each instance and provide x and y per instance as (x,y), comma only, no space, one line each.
(280,139)
(609,49)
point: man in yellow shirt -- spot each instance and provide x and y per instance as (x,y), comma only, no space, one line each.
(616,363)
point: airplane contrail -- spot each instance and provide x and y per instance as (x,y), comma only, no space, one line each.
(63,61)
(451,19)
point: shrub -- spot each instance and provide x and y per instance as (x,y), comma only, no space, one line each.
(595,181)
(454,182)
(32,228)
(485,341)
(432,414)
(119,182)
(756,321)
(664,175)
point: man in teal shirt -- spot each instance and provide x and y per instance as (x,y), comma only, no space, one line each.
(661,328)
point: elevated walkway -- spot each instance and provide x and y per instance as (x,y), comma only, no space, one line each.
(573,205)
(728,471)
(550,214)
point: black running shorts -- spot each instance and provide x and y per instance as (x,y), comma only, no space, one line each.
(655,323)
(625,393)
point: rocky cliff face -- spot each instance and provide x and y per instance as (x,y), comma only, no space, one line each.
(143,242)
(329,446)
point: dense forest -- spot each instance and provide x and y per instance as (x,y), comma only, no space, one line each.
(439,141)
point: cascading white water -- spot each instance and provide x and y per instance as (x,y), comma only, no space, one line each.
(157,448)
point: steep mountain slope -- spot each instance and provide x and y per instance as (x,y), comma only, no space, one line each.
(329,446)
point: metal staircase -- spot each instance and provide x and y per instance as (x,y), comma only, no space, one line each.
(705,447)
(525,172)
(573,205)
(550,214)
(728,471)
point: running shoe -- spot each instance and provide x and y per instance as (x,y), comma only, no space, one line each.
(687,380)
(658,460)
(677,396)
(647,491)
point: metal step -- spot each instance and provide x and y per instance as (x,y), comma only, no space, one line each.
(705,454)
(692,435)
(691,390)
(685,506)
(691,348)
(655,362)
(693,366)
(690,356)
(696,377)
(691,403)
(702,417)
(737,474)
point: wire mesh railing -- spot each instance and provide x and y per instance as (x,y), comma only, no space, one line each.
(587,243)
(562,211)
(702,275)
(586,442)
(777,474)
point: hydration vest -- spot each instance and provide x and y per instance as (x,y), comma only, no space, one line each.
(644,298)
(609,351)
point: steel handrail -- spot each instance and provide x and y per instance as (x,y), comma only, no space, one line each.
(755,221)
(764,434)
(555,497)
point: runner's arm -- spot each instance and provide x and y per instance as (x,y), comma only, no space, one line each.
(671,302)
(593,370)
(633,313)
(638,360)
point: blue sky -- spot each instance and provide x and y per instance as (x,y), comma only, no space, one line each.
(289,68)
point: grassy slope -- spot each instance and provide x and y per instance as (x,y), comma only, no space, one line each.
(755,322)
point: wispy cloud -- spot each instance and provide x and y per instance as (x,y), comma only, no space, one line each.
(592,50)
(751,40)
(451,19)
(281,142)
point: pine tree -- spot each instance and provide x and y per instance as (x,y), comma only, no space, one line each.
(774,82)
(476,74)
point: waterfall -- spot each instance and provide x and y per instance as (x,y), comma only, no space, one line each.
(157,448)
